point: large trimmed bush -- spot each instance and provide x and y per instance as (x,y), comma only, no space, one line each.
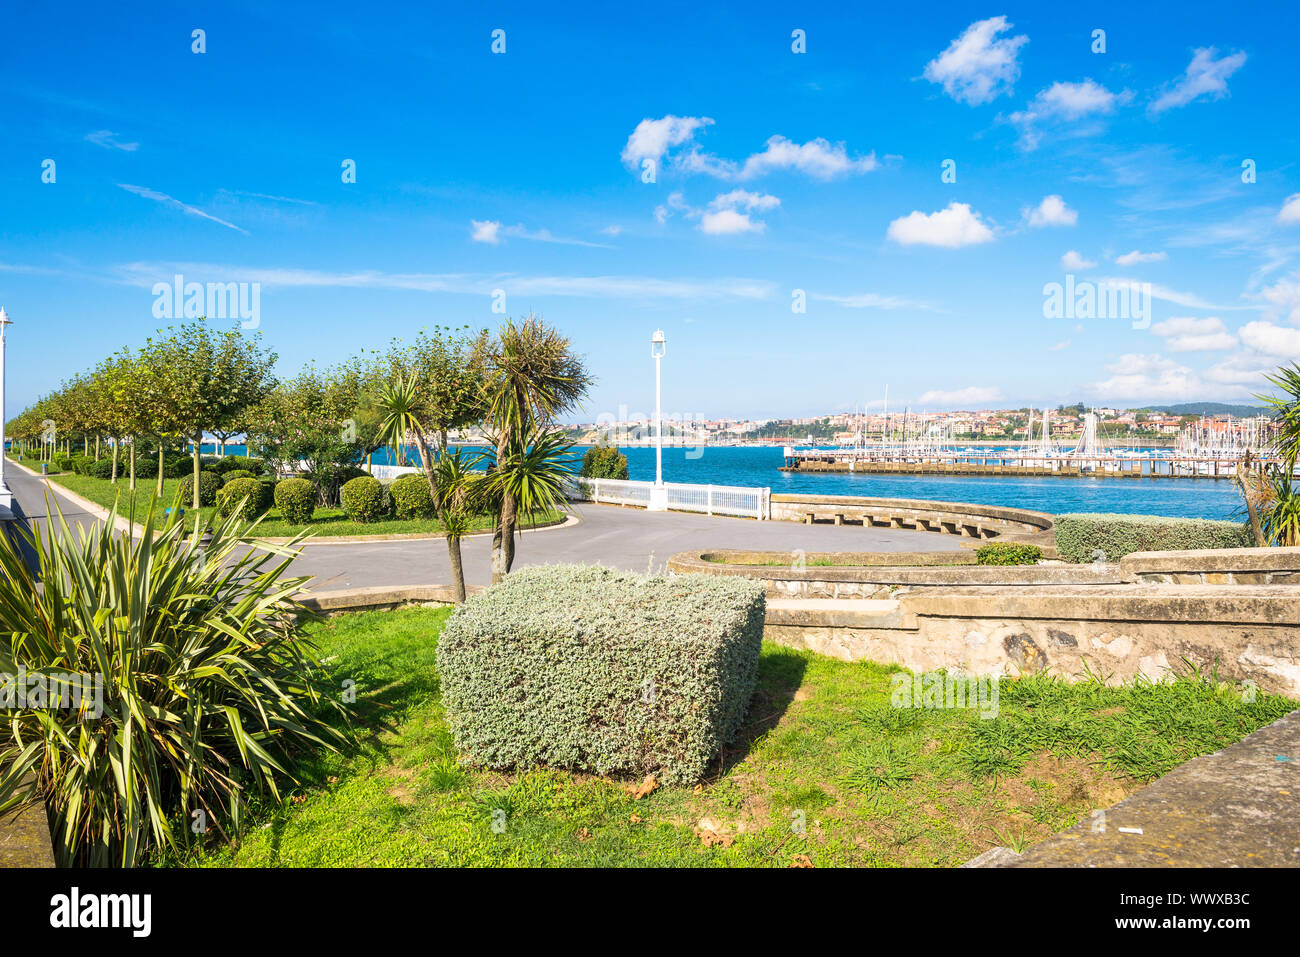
(411,496)
(255,495)
(103,468)
(604,461)
(296,500)
(363,499)
(1088,538)
(233,474)
(209,485)
(584,667)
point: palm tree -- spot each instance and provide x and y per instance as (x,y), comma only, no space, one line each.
(530,377)
(457,492)
(532,470)
(453,487)
(1272,500)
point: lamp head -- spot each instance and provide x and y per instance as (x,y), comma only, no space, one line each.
(4,318)
(658,344)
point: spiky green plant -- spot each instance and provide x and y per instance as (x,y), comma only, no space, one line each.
(209,689)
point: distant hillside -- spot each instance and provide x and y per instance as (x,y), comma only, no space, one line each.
(1208,408)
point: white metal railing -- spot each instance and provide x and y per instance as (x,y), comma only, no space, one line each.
(682,497)
(386,473)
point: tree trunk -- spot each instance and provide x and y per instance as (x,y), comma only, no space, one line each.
(133,463)
(197,442)
(457,570)
(115,444)
(97,448)
(160,466)
(1248,493)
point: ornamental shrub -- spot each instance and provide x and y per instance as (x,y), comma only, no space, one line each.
(236,474)
(296,500)
(209,485)
(588,668)
(604,461)
(1088,538)
(178,466)
(411,496)
(364,499)
(63,463)
(1007,553)
(254,494)
(103,468)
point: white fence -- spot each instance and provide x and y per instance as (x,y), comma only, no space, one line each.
(708,499)
(386,473)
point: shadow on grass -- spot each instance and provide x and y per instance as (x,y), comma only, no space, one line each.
(780,673)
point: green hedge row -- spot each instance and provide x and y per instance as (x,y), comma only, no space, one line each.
(1089,538)
(1007,553)
(584,667)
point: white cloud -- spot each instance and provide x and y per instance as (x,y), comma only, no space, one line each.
(485,231)
(874,300)
(1204,76)
(1052,211)
(978,67)
(620,287)
(108,139)
(1063,344)
(1242,369)
(726,222)
(163,198)
(1185,334)
(953,227)
(729,213)
(1065,102)
(491,231)
(1290,212)
(1271,340)
(1072,260)
(1283,298)
(971,397)
(612,230)
(653,138)
(1135,257)
(1136,376)
(818,158)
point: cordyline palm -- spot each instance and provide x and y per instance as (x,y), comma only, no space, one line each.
(457,492)
(1272,500)
(533,470)
(450,485)
(530,377)
(210,692)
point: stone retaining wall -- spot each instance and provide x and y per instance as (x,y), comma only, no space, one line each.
(1246,632)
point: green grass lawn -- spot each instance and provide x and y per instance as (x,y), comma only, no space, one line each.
(326,522)
(873,784)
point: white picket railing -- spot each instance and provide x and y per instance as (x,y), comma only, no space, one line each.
(386,473)
(682,497)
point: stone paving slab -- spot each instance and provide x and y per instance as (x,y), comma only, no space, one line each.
(1239,807)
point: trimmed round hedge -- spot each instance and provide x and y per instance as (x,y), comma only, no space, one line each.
(296,500)
(363,499)
(237,474)
(255,496)
(411,496)
(209,485)
(1108,538)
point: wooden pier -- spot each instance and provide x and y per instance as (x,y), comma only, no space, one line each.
(992,462)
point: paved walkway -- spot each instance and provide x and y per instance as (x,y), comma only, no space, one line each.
(627,538)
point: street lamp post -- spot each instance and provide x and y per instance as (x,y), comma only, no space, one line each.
(6,496)
(658,494)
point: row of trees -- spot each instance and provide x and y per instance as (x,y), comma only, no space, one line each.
(196,380)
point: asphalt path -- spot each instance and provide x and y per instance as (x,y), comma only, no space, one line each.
(627,538)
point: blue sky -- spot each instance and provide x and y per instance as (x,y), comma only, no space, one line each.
(775,172)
